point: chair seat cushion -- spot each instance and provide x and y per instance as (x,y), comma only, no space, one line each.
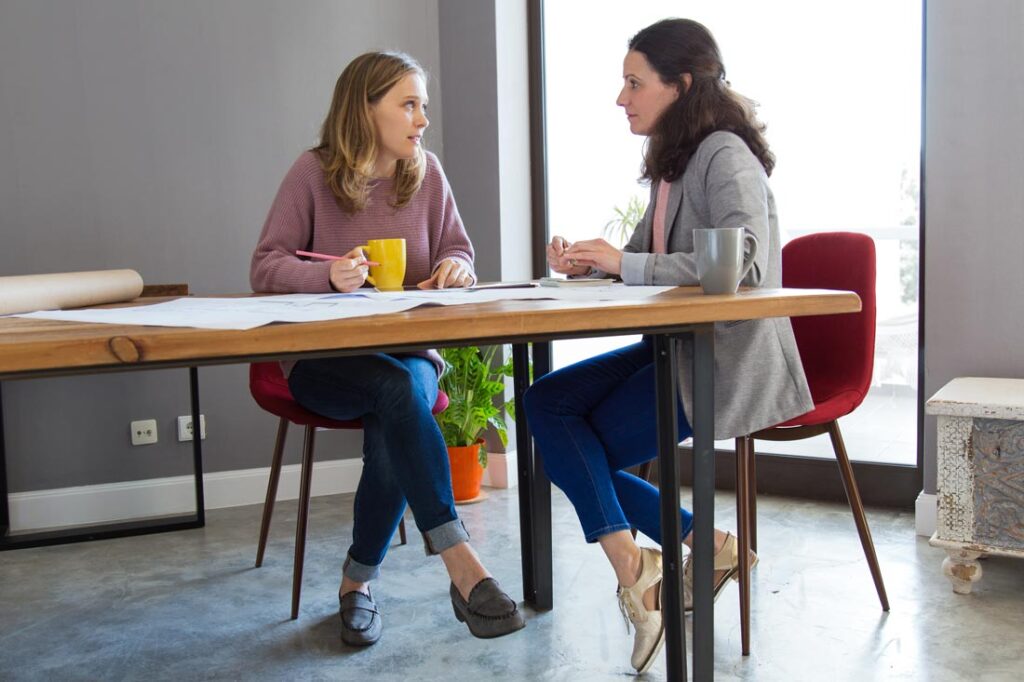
(269,388)
(830,409)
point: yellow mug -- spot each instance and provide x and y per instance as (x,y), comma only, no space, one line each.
(389,274)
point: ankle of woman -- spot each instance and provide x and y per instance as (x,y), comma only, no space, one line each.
(628,570)
(348,585)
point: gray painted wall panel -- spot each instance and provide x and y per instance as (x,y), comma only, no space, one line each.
(511,43)
(469,84)
(974,204)
(154,135)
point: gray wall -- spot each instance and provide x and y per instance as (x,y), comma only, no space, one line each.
(485,83)
(974,206)
(466,29)
(153,135)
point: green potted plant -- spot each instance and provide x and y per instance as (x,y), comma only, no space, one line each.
(620,228)
(476,390)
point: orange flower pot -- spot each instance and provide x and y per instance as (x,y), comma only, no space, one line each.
(466,471)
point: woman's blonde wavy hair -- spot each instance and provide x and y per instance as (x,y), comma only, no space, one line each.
(348,139)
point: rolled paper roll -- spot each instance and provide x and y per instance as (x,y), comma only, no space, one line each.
(28,293)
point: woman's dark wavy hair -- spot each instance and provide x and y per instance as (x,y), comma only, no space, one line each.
(677,46)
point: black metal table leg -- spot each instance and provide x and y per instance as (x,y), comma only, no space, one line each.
(666,376)
(197,444)
(703,501)
(534,486)
(111,530)
(5,512)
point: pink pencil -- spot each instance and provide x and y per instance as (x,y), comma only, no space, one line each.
(324,256)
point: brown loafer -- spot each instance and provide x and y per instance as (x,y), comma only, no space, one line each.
(489,612)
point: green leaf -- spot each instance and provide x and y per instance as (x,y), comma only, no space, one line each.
(475,386)
(620,228)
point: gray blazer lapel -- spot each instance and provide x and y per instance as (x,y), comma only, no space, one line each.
(675,201)
(645,228)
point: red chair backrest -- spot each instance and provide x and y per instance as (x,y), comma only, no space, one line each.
(837,351)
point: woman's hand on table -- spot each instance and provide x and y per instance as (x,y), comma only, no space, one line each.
(450,274)
(560,261)
(349,272)
(595,253)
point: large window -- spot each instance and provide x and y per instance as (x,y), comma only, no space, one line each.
(839,86)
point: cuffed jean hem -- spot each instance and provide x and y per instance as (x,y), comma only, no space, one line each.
(360,573)
(448,534)
(595,535)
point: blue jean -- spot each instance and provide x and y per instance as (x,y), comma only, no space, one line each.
(404,454)
(590,421)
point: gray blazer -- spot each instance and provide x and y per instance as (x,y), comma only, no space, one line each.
(759,379)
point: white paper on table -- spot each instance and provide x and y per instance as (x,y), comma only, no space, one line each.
(611,292)
(232,313)
(252,312)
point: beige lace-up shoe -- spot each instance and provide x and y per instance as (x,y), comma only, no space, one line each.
(727,560)
(649,627)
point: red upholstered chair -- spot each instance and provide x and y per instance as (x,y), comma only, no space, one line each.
(269,388)
(837,353)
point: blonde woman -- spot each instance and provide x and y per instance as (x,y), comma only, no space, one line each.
(369,178)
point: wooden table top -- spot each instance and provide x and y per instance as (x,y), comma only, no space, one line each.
(31,347)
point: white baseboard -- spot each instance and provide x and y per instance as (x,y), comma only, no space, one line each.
(108,502)
(926,510)
(502,470)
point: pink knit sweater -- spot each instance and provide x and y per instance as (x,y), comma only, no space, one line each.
(305,215)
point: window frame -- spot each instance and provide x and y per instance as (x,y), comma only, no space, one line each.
(881,484)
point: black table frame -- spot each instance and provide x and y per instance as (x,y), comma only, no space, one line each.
(534,486)
(9,540)
(535,496)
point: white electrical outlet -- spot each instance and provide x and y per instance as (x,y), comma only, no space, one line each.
(143,432)
(185,428)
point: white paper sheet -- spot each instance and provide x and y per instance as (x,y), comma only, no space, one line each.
(612,292)
(248,313)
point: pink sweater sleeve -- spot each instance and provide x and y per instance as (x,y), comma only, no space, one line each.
(453,241)
(275,268)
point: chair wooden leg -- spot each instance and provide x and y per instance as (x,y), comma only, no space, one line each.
(401,531)
(743,454)
(301,522)
(645,470)
(275,476)
(644,474)
(859,517)
(752,482)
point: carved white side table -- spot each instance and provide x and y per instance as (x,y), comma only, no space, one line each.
(980,474)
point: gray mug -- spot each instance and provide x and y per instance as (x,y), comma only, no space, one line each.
(720,262)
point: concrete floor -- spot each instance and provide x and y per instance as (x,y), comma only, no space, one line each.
(190,606)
